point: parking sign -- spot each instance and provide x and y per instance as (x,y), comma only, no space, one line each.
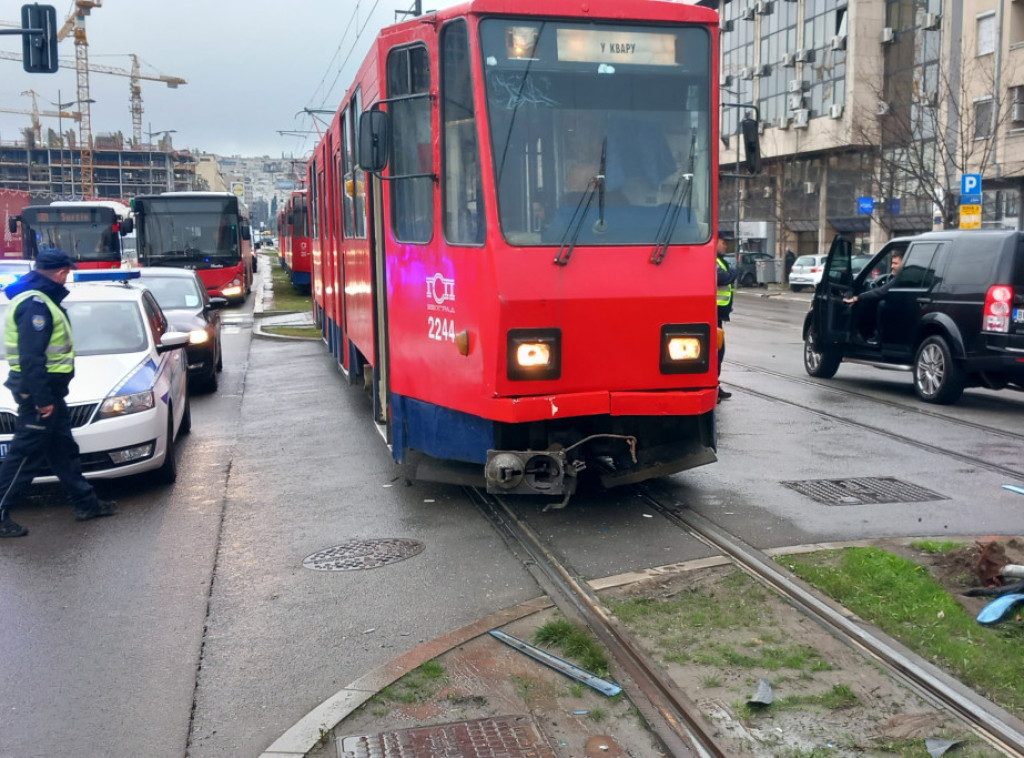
(970,189)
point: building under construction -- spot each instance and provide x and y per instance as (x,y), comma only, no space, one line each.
(121,169)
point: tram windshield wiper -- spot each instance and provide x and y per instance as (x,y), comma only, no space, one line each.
(572,231)
(681,194)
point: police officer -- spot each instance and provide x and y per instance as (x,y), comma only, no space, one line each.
(726,282)
(37,337)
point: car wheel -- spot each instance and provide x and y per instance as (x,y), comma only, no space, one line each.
(186,420)
(210,385)
(220,356)
(168,472)
(937,376)
(820,363)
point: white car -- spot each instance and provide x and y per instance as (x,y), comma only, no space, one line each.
(806,272)
(129,400)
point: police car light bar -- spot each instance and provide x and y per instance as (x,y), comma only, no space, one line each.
(106,275)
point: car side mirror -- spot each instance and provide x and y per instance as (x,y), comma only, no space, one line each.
(172,341)
(12,224)
(127,227)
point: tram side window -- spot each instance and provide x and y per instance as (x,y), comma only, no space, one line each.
(347,177)
(412,186)
(358,175)
(461,179)
(314,197)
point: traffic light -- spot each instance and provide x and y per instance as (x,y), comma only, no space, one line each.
(751,145)
(39,39)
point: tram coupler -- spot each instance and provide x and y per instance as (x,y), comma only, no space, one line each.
(529,472)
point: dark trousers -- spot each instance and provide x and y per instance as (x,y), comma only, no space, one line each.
(40,440)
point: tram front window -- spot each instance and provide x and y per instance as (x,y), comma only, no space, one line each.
(571,103)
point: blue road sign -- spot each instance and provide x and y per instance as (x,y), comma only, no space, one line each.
(865,206)
(970,199)
(970,184)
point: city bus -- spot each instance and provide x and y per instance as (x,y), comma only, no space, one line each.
(205,231)
(89,231)
(514,216)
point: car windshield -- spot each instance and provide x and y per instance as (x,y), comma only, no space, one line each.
(102,328)
(174,292)
(805,260)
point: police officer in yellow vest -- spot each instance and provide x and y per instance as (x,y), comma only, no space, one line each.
(726,284)
(41,354)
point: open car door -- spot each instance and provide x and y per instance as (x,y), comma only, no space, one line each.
(831,318)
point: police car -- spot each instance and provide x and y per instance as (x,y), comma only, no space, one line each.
(129,399)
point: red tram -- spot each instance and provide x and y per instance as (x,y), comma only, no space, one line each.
(513,221)
(293,238)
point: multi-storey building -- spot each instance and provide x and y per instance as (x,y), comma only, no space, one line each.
(119,172)
(870,114)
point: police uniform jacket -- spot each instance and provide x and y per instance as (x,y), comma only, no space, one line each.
(725,276)
(35,325)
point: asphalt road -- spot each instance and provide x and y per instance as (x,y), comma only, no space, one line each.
(188,626)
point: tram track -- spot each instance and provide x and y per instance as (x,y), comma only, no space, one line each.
(672,716)
(972,460)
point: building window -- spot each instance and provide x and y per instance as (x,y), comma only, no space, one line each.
(1017,107)
(986,34)
(982,118)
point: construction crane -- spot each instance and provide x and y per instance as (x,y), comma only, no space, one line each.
(75,23)
(35,113)
(135,76)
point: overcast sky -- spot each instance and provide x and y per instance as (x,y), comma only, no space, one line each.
(251,66)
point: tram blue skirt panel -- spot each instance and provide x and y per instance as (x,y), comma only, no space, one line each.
(439,432)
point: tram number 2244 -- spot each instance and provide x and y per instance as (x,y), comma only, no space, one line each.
(441,329)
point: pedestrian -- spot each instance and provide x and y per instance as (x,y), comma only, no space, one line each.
(790,260)
(41,355)
(726,284)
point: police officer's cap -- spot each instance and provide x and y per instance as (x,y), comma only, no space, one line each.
(726,235)
(51,259)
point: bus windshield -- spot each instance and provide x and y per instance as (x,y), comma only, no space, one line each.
(87,235)
(600,132)
(195,233)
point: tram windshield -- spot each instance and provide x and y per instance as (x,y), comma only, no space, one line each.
(600,132)
(194,233)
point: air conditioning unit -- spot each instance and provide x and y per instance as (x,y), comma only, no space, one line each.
(746,73)
(764,7)
(801,118)
(782,122)
(789,60)
(838,42)
(725,25)
(725,80)
(761,125)
(796,100)
(883,108)
(888,35)
(742,194)
(805,56)
(748,13)
(931,22)
(764,70)
(796,85)
(767,192)
(810,188)
(835,110)
(1017,114)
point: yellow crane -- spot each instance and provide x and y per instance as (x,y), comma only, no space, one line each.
(135,76)
(75,24)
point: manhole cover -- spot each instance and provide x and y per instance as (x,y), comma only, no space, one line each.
(500,737)
(882,489)
(363,554)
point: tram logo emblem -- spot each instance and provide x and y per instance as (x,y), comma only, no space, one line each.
(440,290)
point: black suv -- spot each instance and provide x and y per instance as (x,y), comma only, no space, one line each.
(954,313)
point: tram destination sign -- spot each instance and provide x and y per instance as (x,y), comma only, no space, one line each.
(625,46)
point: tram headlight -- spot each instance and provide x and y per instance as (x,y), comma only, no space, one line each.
(685,348)
(534,354)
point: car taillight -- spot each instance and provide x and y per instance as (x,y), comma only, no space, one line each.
(815,269)
(996,316)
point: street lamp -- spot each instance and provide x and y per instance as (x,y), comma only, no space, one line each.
(150,134)
(60,125)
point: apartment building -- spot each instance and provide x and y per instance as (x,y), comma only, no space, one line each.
(870,114)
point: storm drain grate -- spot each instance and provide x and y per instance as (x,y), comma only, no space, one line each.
(499,737)
(363,554)
(881,489)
